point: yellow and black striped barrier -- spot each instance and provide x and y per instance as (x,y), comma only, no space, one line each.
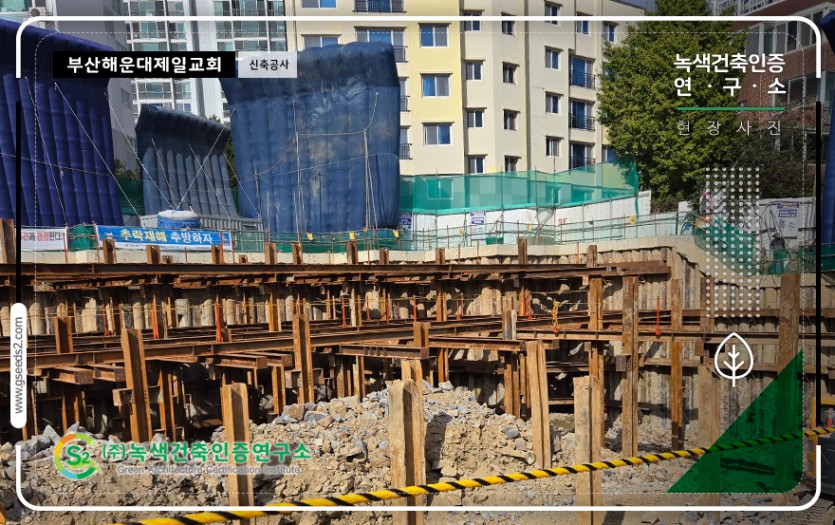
(463,484)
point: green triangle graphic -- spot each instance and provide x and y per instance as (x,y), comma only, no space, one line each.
(767,469)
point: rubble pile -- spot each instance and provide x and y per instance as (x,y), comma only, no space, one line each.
(349,452)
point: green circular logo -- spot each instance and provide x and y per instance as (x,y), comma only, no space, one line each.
(72,458)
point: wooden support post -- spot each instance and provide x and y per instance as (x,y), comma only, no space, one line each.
(538,386)
(629,383)
(509,325)
(591,256)
(412,369)
(269,252)
(789,318)
(271,310)
(352,252)
(511,383)
(303,356)
(420,340)
(521,250)
(677,396)
(675,305)
(62,326)
(234,400)
(788,343)
(133,352)
(384,255)
(359,377)
(587,420)
(595,301)
(279,399)
(8,241)
(406,444)
(108,248)
(217,254)
(166,403)
(153,255)
(298,253)
(440,256)
(443,365)
(343,378)
(596,369)
(710,425)
(72,406)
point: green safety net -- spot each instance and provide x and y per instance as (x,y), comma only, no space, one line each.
(130,196)
(448,194)
(766,469)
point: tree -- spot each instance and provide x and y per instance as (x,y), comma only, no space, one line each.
(229,153)
(638,101)
(123,173)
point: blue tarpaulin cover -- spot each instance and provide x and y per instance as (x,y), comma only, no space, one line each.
(319,153)
(67,140)
(182,162)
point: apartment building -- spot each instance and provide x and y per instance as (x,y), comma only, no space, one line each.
(796,41)
(476,97)
(200,96)
(482,97)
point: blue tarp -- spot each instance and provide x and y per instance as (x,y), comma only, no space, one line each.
(67,140)
(319,153)
(182,162)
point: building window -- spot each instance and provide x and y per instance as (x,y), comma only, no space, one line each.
(552,146)
(552,58)
(511,164)
(405,146)
(608,154)
(510,118)
(581,26)
(609,32)
(475,164)
(433,36)
(392,36)
(507,25)
(311,41)
(435,85)
(581,116)
(509,73)
(378,6)
(326,4)
(472,70)
(437,134)
(552,103)
(474,25)
(552,9)
(581,73)
(581,155)
(475,118)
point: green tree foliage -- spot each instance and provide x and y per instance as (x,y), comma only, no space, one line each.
(229,152)
(638,101)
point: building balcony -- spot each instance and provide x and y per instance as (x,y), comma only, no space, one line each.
(379,6)
(404,103)
(581,122)
(582,79)
(405,151)
(400,53)
(582,162)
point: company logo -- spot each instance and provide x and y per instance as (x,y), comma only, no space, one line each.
(72,457)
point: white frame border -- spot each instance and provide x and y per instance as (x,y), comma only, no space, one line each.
(385,18)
